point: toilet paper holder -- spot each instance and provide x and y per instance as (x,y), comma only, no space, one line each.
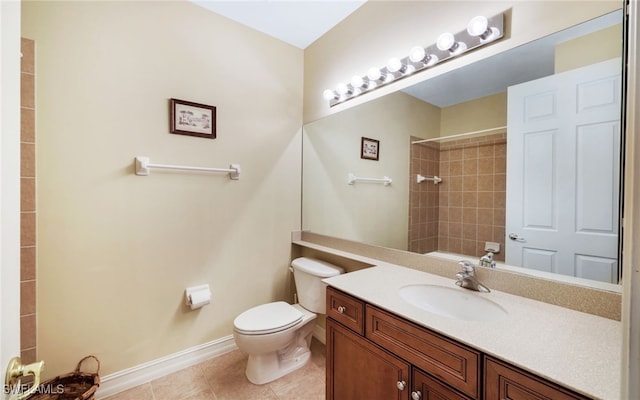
(197,296)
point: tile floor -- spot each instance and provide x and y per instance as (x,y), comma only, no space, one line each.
(222,378)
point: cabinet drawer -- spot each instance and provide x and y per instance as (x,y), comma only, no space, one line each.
(503,381)
(445,359)
(345,309)
(425,387)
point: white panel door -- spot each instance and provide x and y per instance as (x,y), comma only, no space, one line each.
(563,156)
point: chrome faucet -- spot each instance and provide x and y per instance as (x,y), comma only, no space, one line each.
(487,260)
(467,278)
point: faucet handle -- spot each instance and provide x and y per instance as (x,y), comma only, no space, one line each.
(466,266)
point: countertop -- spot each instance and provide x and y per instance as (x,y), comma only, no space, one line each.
(577,350)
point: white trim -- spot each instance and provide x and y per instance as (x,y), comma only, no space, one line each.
(630,386)
(445,138)
(320,333)
(9,182)
(143,373)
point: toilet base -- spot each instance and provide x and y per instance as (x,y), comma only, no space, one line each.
(265,368)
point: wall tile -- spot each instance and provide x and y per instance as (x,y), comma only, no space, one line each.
(27,263)
(27,125)
(27,194)
(27,297)
(27,48)
(27,229)
(28,331)
(27,92)
(27,160)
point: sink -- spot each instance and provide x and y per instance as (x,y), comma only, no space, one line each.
(456,303)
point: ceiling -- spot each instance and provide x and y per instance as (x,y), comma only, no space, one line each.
(297,22)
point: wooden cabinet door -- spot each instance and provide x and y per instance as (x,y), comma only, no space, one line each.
(505,382)
(424,387)
(445,359)
(359,370)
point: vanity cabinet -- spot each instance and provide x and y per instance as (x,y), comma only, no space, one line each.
(374,354)
(504,381)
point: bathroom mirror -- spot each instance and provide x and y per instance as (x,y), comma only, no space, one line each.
(458,209)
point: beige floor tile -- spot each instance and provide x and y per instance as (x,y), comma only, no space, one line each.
(306,383)
(225,375)
(142,392)
(179,385)
(204,395)
(223,378)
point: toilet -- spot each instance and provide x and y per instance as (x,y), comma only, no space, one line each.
(277,335)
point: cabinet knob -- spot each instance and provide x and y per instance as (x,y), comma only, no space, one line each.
(416,395)
(401,385)
(342,309)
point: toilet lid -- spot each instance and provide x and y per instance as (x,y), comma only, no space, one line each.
(267,318)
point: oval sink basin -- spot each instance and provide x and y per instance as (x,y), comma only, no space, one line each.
(452,303)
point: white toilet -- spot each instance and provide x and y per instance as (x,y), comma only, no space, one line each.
(277,335)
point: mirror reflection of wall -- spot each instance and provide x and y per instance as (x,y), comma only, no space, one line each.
(464,211)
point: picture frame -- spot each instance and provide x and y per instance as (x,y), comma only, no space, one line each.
(369,149)
(192,119)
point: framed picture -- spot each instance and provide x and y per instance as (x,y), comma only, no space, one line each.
(192,119)
(370,149)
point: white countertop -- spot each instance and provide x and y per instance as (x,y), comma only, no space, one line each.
(577,350)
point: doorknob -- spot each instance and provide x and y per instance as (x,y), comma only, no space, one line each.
(514,236)
(17,370)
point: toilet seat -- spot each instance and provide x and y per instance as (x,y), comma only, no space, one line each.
(267,318)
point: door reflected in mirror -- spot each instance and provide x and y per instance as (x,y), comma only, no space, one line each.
(469,178)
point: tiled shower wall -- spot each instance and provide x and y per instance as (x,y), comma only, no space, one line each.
(27,204)
(469,205)
(473,194)
(423,198)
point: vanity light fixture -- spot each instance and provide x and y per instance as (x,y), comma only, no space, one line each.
(479,32)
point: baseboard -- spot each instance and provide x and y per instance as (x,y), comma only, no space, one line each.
(143,373)
(320,334)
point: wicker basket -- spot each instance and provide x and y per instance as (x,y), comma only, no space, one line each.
(72,386)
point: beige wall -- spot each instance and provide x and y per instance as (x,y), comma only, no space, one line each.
(368,212)
(379,30)
(588,49)
(116,250)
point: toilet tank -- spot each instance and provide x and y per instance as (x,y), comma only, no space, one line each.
(308,274)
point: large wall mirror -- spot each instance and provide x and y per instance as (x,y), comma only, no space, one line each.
(517,155)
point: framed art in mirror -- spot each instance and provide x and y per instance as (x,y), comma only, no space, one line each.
(369,149)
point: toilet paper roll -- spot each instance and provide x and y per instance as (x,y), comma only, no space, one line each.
(199,299)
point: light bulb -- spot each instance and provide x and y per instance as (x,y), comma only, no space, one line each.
(329,95)
(479,26)
(358,82)
(446,41)
(343,89)
(417,54)
(394,65)
(374,74)
(409,69)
